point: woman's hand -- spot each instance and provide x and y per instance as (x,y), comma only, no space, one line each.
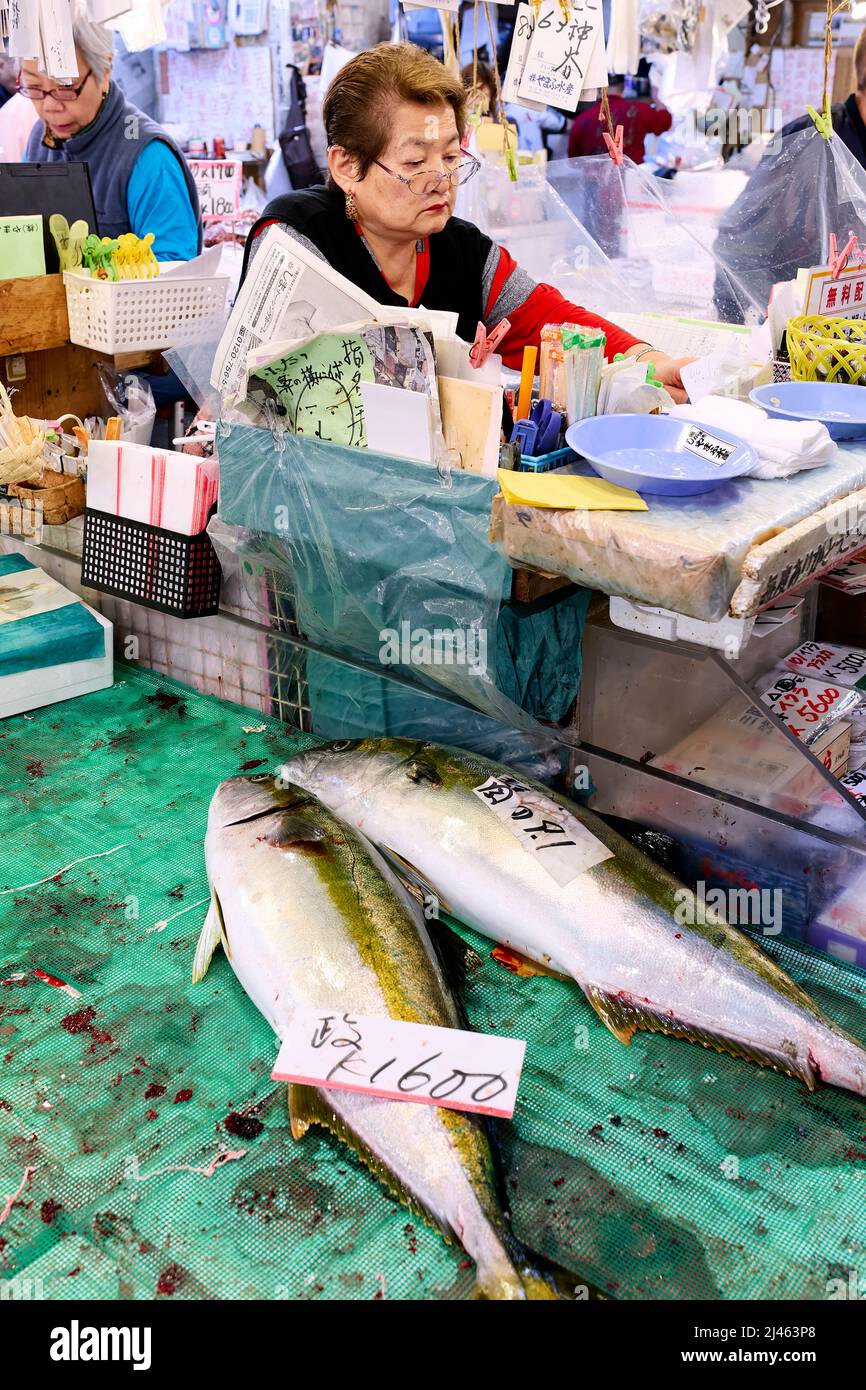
(668,371)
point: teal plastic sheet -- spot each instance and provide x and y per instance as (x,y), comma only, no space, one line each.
(390,564)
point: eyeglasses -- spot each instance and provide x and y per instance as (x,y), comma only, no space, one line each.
(61,94)
(428,181)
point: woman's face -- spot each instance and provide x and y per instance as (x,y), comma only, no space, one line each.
(421,138)
(64,119)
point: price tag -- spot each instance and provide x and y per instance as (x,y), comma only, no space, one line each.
(855,783)
(543,828)
(402,1061)
(839,665)
(219,186)
(560,53)
(708,446)
(808,707)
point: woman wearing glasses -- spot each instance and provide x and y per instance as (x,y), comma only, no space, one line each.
(141,182)
(394,120)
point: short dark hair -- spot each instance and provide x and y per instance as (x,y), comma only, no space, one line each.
(354,110)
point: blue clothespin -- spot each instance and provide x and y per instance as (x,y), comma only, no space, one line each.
(525,433)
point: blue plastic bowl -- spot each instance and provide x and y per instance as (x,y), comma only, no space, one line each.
(660,454)
(836,404)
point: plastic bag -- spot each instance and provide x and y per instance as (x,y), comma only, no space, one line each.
(804,188)
(130,397)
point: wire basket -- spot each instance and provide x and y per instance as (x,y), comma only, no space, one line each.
(827,349)
(159,569)
(116,316)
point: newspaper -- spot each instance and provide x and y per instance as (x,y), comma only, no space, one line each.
(289,293)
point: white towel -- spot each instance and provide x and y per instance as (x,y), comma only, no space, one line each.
(784,447)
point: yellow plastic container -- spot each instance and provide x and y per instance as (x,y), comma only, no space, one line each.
(827,349)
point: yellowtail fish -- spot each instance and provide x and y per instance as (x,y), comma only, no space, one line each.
(310,915)
(550,879)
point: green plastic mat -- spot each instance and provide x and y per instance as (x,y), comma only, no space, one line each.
(654,1171)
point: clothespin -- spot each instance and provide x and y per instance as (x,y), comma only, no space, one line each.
(837,260)
(483,346)
(824,122)
(614,145)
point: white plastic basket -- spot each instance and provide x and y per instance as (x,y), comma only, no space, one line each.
(116,316)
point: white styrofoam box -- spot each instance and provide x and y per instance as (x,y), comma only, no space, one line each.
(116,316)
(729,635)
(29,690)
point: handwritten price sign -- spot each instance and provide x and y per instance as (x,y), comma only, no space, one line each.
(402,1061)
(543,828)
(219,186)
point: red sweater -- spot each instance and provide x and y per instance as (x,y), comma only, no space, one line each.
(637,118)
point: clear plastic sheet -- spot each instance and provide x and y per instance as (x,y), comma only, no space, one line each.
(613,236)
(804,188)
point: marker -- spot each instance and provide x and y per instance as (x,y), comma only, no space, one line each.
(527,377)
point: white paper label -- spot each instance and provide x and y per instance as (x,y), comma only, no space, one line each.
(524,28)
(826,661)
(402,1061)
(855,783)
(808,707)
(542,828)
(560,53)
(708,446)
(28,593)
(218,182)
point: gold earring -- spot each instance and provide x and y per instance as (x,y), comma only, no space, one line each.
(351,207)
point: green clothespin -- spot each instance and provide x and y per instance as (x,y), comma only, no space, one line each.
(651,378)
(824,122)
(619,357)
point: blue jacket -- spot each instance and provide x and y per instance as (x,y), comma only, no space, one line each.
(141,181)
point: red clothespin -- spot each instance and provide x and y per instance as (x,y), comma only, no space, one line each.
(614,145)
(483,346)
(837,260)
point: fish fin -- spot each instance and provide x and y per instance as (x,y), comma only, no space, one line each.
(624,1018)
(524,966)
(207,943)
(612,1015)
(309,1106)
(414,882)
(458,959)
(224,936)
(298,1117)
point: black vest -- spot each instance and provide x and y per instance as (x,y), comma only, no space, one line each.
(458,254)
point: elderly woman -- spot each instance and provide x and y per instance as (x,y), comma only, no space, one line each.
(394,119)
(141,181)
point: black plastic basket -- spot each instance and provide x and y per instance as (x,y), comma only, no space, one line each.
(159,569)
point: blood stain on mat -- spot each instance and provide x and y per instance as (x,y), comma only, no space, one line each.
(151,1115)
(182,1097)
(167,702)
(154,1090)
(177,891)
(244,1126)
(49,1210)
(36,768)
(173,1277)
(251,763)
(82,1022)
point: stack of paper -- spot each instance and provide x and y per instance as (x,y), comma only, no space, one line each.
(850,577)
(174,491)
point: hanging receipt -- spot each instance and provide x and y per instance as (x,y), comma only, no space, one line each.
(561,53)
(524,28)
(563,846)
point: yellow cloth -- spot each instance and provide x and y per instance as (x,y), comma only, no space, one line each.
(567,492)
